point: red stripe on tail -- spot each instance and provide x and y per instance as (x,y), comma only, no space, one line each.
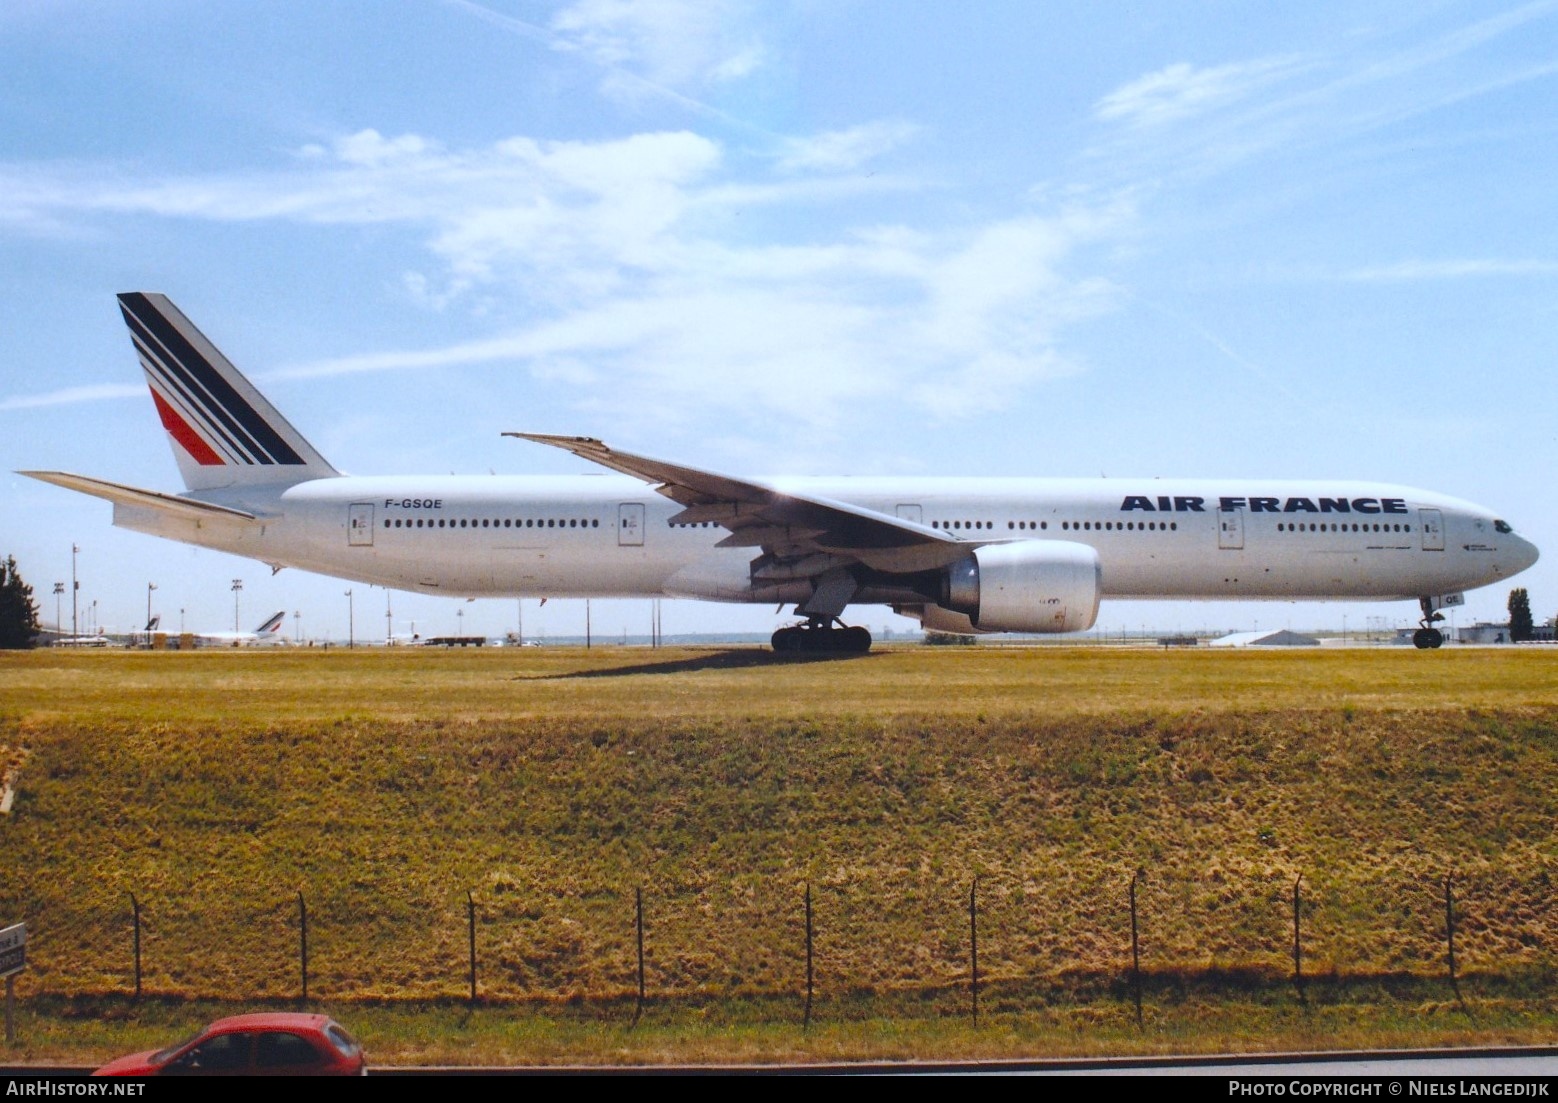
(188,439)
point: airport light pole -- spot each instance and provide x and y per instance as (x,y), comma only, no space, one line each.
(75,589)
(350,633)
(297,626)
(237,589)
(59,588)
(150,586)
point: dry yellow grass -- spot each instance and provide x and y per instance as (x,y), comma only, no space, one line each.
(550,784)
(696,683)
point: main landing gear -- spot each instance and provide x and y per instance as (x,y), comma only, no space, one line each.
(822,636)
(1428,636)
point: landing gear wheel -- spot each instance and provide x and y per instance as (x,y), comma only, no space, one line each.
(819,637)
(1428,636)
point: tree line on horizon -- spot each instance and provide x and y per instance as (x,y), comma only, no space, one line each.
(18,612)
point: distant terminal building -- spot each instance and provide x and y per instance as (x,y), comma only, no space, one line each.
(1280,638)
(1484,632)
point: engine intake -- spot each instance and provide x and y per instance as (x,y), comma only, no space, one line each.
(1026,586)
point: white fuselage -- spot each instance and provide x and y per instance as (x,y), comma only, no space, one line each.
(610,535)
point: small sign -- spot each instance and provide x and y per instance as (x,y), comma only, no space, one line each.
(13,949)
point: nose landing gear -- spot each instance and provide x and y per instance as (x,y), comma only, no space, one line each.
(822,636)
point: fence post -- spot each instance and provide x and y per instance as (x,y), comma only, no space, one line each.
(1298,949)
(806,1019)
(973,942)
(135,910)
(470,916)
(303,942)
(1449,938)
(638,898)
(1135,952)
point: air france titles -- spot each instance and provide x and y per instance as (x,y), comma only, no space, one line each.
(1189,503)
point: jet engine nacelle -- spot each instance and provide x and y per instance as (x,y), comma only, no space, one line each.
(1025,586)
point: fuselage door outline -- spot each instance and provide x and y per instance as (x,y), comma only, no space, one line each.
(1230,529)
(630,525)
(359,524)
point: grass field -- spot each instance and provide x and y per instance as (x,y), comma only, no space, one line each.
(546,789)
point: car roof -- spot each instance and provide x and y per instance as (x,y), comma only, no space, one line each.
(270,1020)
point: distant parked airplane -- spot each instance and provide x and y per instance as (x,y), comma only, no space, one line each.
(266,635)
(958,554)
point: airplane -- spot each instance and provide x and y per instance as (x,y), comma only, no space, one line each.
(98,640)
(268,634)
(107,639)
(961,555)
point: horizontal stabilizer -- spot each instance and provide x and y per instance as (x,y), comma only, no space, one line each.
(188,508)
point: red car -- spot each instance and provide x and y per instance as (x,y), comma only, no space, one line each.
(272,1043)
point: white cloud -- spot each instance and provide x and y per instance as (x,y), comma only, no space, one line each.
(1451,270)
(640,285)
(845,149)
(677,43)
(69,396)
(369,147)
(1181,90)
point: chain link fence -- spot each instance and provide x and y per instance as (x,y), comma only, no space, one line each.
(910,936)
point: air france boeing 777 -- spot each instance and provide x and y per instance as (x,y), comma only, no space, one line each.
(961,555)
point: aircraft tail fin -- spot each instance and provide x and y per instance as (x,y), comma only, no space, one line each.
(223,432)
(272,625)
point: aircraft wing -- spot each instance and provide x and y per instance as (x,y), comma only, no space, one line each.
(788,525)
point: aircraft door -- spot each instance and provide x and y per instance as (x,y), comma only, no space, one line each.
(359,524)
(911,513)
(630,525)
(1433,529)
(1230,529)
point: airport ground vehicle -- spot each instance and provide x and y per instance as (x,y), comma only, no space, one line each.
(271,1043)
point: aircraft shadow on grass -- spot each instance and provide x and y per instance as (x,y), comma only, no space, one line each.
(733,659)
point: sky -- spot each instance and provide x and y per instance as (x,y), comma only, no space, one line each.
(1027,238)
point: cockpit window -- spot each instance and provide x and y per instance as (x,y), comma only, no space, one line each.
(1502,526)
